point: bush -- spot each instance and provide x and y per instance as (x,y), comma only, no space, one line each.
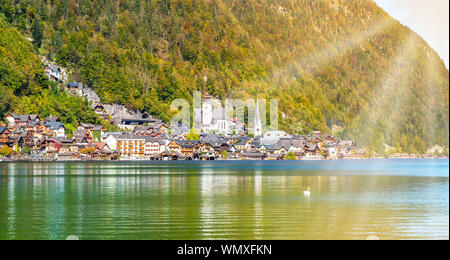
(6,151)
(88,151)
(224,154)
(291,157)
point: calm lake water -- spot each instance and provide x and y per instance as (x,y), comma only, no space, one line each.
(389,199)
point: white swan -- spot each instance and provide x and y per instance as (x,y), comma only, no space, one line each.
(307,193)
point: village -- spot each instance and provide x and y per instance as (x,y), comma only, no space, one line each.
(28,137)
(31,138)
(143,137)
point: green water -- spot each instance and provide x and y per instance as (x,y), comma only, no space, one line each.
(389,199)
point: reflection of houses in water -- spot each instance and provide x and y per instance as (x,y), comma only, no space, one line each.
(258,183)
(258,205)
(207,183)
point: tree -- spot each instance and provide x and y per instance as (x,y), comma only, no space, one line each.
(193,135)
(37,33)
(6,151)
(224,154)
(88,151)
(26,150)
(290,156)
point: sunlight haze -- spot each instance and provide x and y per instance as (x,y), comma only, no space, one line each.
(430,19)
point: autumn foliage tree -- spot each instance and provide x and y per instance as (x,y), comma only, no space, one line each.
(5,151)
(87,151)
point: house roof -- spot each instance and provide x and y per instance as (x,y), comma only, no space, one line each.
(53,67)
(17,129)
(298,143)
(91,127)
(34,117)
(212,139)
(67,140)
(21,118)
(74,85)
(80,133)
(24,134)
(62,140)
(101,146)
(32,124)
(276,146)
(256,144)
(106,134)
(311,147)
(286,143)
(54,125)
(15,138)
(147,139)
(268,142)
(250,154)
(242,142)
(188,144)
(52,119)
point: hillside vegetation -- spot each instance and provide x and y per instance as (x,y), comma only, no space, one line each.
(24,87)
(341,65)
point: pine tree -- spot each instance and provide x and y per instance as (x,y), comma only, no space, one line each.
(38,36)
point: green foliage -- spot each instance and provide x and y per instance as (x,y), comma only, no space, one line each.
(88,151)
(193,135)
(290,156)
(36,31)
(24,87)
(97,136)
(224,154)
(26,150)
(324,60)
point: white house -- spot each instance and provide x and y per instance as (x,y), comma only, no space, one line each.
(332,152)
(57,128)
(111,140)
(154,147)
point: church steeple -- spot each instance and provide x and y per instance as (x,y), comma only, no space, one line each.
(258,124)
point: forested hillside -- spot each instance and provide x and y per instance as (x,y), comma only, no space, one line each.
(341,65)
(24,87)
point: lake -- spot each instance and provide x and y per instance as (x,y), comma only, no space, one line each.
(360,199)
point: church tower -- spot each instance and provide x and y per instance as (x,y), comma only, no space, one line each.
(258,124)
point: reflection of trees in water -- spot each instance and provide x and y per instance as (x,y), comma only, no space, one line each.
(188,201)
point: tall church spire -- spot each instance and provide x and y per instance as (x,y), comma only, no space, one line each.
(258,125)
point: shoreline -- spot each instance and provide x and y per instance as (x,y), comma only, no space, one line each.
(198,161)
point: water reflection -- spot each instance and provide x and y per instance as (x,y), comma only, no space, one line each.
(241,200)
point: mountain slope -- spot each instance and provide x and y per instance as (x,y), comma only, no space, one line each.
(24,87)
(343,64)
